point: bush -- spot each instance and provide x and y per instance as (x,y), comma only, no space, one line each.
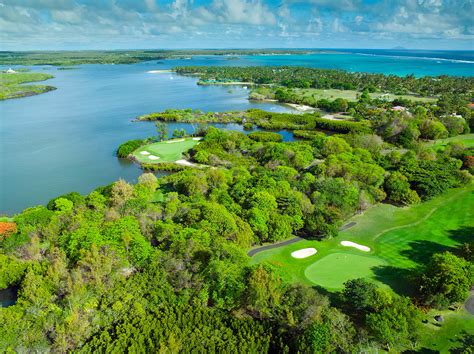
(342,126)
(265,136)
(128,147)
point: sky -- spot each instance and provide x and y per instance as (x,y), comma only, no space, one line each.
(157,24)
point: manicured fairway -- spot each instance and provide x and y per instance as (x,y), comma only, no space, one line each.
(165,151)
(402,238)
(333,270)
(466,139)
(352,95)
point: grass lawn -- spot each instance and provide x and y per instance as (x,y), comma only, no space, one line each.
(400,238)
(466,139)
(334,269)
(167,151)
(448,335)
(11,84)
(351,95)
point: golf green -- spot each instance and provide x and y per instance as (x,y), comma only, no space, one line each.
(335,269)
(165,151)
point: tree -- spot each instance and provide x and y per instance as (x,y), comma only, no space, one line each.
(63,205)
(398,189)
(396,325)
(432,129)
(121,192)
(162,130)
(446,279)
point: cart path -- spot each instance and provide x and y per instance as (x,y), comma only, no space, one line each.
(289,242)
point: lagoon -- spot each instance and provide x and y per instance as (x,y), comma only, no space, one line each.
(65,140)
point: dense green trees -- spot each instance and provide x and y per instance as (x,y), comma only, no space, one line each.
(302,77)
(161,265)
(445,280)
(128,147)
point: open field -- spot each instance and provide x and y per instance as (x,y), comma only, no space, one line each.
(466,139)
(351,95)
(399,239)
(11,84)
(165,151)
(450,333)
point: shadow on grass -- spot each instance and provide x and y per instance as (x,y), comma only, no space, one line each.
(421,251)
(401,280)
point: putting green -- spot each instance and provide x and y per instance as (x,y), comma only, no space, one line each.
(165,151)
(335,269)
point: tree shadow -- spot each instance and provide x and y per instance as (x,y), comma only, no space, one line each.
(463,235)
(422,250)
(401,280)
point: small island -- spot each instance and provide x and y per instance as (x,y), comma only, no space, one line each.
(12,84)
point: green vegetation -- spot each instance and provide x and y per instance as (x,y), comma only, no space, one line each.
(261,119)
(306,95)
(161,265)
(467,140)
(128,147)
(147,265)
(403,110)
(301,77)
(11,84)
(166,151)
(68,58)
(403,238)
(335,269)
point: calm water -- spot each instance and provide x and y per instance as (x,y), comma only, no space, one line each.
(65,140)
(8,296)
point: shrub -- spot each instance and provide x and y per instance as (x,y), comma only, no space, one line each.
(265,136)
(128,147)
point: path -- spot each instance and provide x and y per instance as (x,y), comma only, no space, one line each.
(289,242)
(274,245)
(469,304)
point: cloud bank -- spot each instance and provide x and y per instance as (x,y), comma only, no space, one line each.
(113,24)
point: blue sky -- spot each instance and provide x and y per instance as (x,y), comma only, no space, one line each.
(115,24)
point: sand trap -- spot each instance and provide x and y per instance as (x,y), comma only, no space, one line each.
(144,153)
(153,157)
(174,141)
(197,138)
(355,245)
(303,253)
(185,163)
(159,71)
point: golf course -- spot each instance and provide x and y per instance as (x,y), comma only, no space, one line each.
(397,240)
(440,144)
(164,151)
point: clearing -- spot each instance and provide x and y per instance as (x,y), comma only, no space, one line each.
(466,139)
(351,95)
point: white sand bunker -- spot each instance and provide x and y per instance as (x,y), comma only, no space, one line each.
(355,245)
(174,141)
(153,157)
(185,163)
(144,153)
(197,138)
(303,253)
